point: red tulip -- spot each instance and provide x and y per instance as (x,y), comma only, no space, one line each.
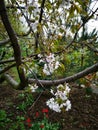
(42,126)
(45,110)
(28,120)
(37,114)
(29,124)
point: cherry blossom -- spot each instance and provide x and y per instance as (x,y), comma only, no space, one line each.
(60,99)
(33,87)
(50,63)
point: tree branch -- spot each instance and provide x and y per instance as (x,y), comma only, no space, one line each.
(14,7)
(10,80)
(40,19)
(7,61)
(7,68)
(90,47)
(14,41)
(72,78)
(49,83)
(27,20)
(87,18)
(24,34)
(2,43)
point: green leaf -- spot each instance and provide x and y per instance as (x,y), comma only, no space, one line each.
(3,115)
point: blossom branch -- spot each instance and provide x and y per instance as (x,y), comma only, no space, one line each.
(72,78)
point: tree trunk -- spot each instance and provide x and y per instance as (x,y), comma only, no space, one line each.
(15,45)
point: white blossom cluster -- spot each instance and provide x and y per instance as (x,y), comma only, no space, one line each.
(60,100)
(33,88)
(50,64)
(34,14)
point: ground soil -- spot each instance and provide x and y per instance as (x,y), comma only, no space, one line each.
(82,116)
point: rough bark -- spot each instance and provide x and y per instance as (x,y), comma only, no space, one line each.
(14,41)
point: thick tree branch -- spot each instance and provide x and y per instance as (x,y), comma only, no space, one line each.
(14,41)
(93,68)
(49,83)
(10,80)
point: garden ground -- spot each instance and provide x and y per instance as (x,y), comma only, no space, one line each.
(82,116)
